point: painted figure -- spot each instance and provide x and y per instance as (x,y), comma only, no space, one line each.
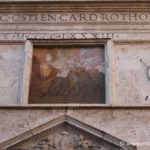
(68,76)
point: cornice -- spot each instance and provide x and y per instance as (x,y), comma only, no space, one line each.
(77,6)
(74,0)
(74,106)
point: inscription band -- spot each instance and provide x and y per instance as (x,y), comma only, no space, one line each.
(74,17)
(25,36)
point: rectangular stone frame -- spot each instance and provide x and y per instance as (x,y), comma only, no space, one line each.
(109,64)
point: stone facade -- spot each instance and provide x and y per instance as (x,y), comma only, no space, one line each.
(121,26)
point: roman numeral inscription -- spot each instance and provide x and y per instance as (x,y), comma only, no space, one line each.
(25,36)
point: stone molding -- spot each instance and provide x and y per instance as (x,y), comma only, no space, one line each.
(56,5)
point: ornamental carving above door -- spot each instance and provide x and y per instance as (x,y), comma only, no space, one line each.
(65,141)
(66,133)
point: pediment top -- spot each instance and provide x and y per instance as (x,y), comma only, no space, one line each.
(66,133)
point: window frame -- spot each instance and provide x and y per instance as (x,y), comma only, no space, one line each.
(109,69)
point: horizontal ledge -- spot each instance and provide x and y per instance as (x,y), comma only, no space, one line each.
(74,106)
(74,0)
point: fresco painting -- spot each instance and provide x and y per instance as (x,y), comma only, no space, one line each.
(68,75)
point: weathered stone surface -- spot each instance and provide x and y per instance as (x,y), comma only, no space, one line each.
(129,125)
(132,73)
(130,86)
(11,57)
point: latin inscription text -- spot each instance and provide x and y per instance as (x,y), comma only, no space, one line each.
(74,17)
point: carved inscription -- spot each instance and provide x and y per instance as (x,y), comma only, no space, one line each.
(74,17)
(24,36)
